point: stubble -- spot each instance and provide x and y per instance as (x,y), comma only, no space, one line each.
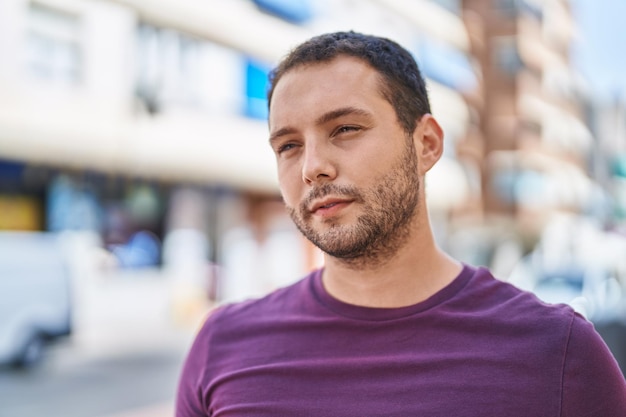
(388,209)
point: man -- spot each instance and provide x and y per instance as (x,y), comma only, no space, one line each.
(391,325)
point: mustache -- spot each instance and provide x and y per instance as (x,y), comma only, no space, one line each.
(329,189)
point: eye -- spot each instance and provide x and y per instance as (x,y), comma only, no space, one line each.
(285,147)
(346,129)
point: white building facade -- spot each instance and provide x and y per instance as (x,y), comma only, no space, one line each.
(162,94)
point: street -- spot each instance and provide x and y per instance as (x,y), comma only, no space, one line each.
(122,359)
(70,384)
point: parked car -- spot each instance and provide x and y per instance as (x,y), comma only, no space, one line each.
(35,295)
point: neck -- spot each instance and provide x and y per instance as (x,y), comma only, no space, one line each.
(413,273)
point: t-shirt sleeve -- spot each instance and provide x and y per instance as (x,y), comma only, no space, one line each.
(190,397)
(593,384)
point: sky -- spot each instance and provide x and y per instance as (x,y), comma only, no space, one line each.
(600,50)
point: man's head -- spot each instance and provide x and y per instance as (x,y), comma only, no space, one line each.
(353,139)
(401,80)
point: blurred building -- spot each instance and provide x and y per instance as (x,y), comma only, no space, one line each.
(529,138)
(608,124)
(145,122)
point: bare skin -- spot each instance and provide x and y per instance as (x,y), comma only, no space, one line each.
(353,181)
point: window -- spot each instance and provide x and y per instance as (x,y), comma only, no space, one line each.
(176,70)
(507,8)
(453,6)
(52,45)
(532,8)
(169,67)
(505,55)
(446,65)
(512,8)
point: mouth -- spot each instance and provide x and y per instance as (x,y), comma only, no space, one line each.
(328,206)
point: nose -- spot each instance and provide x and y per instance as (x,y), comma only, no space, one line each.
(318,165)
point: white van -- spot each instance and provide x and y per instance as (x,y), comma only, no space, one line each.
(35,295)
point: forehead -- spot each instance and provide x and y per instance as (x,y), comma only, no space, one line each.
(344,79)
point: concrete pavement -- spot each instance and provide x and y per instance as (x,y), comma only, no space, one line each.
(157,410)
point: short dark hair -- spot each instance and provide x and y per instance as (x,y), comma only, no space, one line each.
(402,83)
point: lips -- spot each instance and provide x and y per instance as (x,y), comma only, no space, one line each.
(328,200)
(327,203)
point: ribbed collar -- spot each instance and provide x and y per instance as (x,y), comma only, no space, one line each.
(381,314)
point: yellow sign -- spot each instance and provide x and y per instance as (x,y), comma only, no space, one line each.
(20,213)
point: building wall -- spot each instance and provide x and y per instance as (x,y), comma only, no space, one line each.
(532,117)
(118,100)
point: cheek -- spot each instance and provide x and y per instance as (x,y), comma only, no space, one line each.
(290,187)
(371,169)
(379,154)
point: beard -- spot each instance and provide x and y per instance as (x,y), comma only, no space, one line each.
(388,207)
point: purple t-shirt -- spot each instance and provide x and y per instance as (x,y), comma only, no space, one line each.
(479,347)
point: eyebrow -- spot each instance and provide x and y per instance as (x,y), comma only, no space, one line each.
(281,132)
(324,118)
(343,111)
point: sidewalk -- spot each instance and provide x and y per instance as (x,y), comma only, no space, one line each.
(122,314)
(158,410)
(128,314)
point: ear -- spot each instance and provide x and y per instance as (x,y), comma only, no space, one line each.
(428,139)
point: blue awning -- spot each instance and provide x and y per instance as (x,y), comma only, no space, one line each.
(292,11)
(256,89)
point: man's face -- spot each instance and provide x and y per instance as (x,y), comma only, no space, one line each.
(347,170)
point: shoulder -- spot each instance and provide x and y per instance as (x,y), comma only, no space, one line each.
(491,294)
(522,321)
(557,337)
(228,333)
(592,379)
(278,303)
